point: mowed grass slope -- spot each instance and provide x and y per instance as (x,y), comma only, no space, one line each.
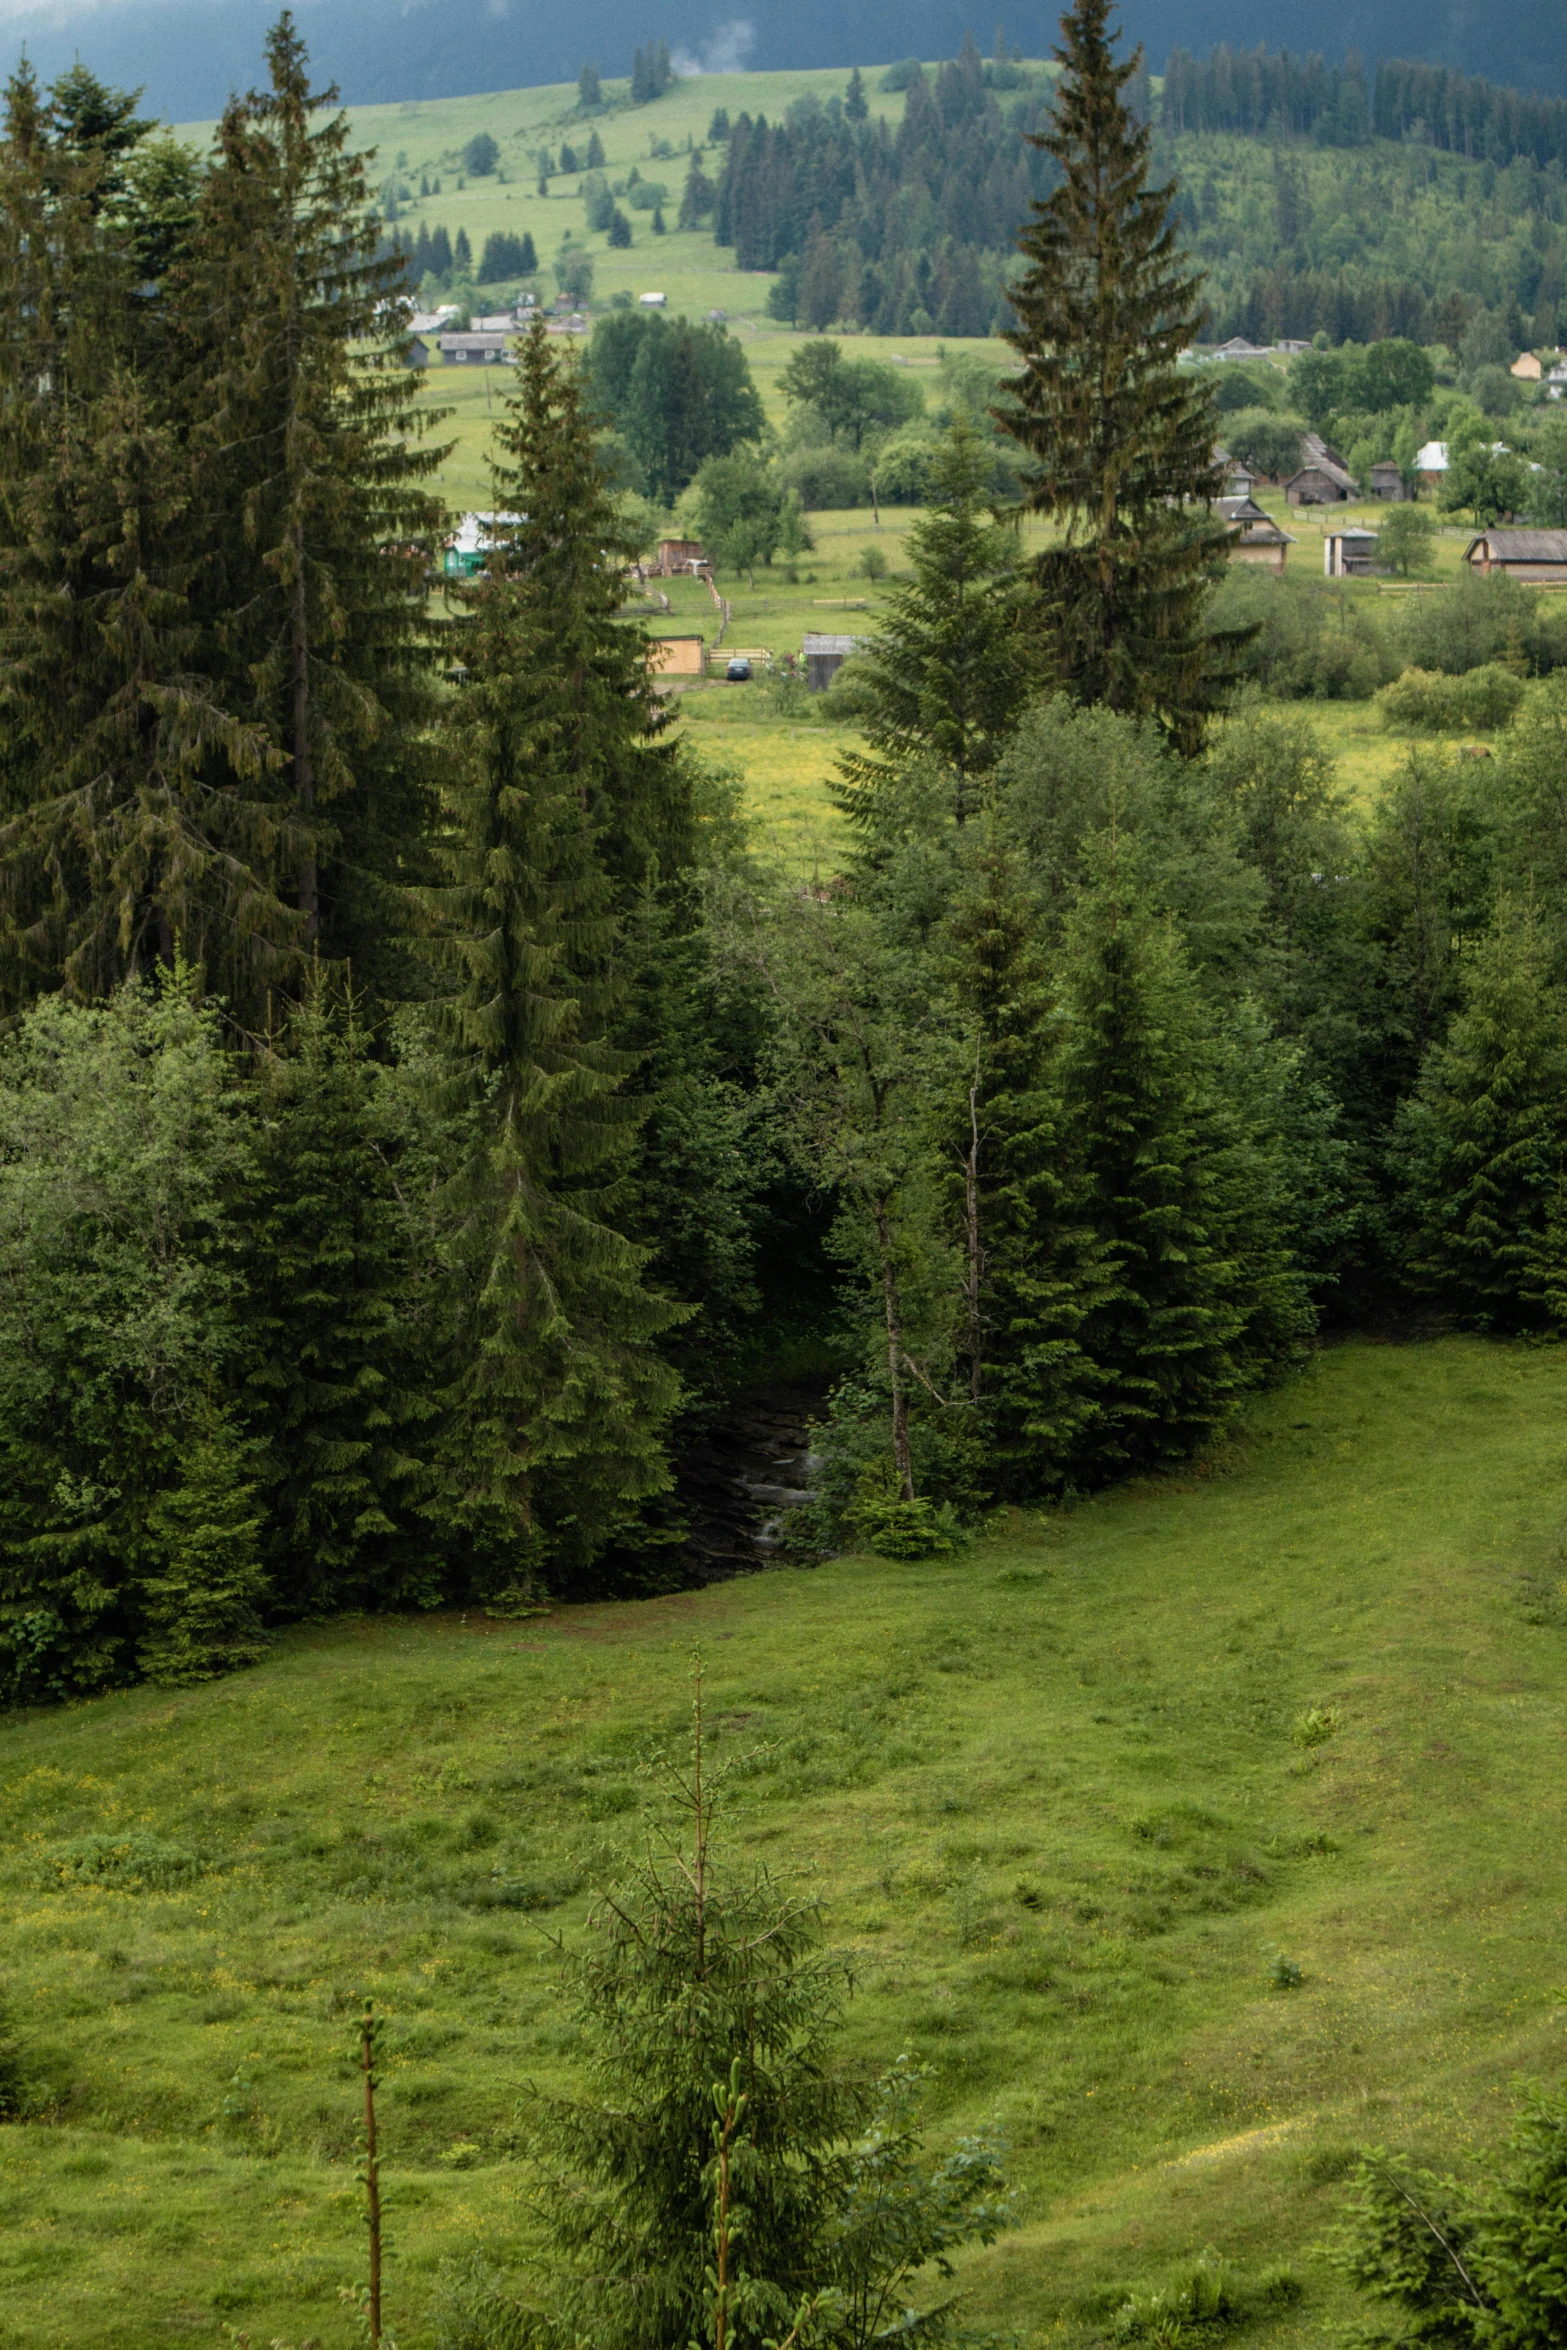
(1049,1791)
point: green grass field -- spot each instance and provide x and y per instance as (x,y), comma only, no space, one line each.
(1050,1791)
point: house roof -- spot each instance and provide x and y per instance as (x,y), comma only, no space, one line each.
(1241,509)
(1432,458)
(1521,546)
(829,644)
(472,342)
(1385,465)
(1315,453)
(1238,348)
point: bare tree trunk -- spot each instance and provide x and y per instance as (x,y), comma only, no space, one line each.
(902,1459)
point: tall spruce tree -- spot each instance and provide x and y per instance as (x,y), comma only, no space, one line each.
(1482,1142)
(309,437)
(1033,1264)
(946,675)
(1199,1294)
(1121,443)
(148,821)
(561,805)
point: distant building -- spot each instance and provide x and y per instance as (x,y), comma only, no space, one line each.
(416,351)
(1387,481)
(1239,480)
(430,322)
(1431,462)
(652,301)
(824,656)
(1535,556)
(1254,535)
(475,350)
(469,547)
(1323,479)
(675,656)
(1238,348)
(1527,368)
(680,558)
(1556,380)
(1290,350)
(1349,554)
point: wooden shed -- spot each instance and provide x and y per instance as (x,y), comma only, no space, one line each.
(1349,554)
(470,350)
(824,656)
(675,656)
(1388,482)
(680,557)
(1535,556)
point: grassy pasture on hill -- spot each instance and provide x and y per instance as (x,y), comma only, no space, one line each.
(426,137)
(1050,1791)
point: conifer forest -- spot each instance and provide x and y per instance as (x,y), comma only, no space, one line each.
(435,1109)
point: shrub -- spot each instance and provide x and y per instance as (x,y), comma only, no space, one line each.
(908,1529)
(872,563)
(1424,702)
(1315,1726)
(480,156)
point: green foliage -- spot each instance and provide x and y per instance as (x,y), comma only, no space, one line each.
(200,1605)
(1120,442)
(704,1987)
(854,398)
(1481,1139)
(336,1392)
(1406,537)
(945,676)
(563,803)
(906,1529)
(678,393)
(120,1151)
(480,156)
(1425,702)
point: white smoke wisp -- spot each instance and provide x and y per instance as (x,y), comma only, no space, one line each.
(726,52)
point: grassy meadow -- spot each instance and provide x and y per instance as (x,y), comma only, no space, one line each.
(1053,1793)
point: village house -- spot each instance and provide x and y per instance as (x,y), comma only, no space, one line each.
(1254,535)
(475,350)
(1538,557)
(1238,348)
(1431,463)
(1527,368)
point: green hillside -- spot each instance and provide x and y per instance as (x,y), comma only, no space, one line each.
(1051,1791)
(426,138)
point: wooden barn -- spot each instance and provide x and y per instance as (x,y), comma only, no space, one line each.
(1538,557)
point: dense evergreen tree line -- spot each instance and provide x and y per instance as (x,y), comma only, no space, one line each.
(416,1096)
(1258,92)
(905,231)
